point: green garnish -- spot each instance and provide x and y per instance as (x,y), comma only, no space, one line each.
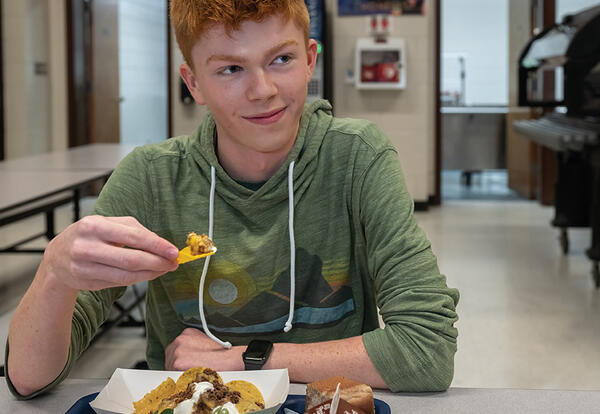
(220,410)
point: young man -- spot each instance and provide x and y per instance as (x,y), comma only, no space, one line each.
(310,214)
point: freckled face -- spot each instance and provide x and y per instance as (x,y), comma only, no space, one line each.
(254,81)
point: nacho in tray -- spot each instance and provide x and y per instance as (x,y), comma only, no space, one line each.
(201,391)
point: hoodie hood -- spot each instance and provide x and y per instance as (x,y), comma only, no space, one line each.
(314,123)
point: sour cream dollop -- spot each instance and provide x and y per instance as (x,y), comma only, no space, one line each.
(227,408)
(186,406)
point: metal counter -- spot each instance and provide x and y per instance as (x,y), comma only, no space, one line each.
(473,138)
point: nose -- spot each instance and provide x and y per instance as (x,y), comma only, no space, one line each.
(261,86)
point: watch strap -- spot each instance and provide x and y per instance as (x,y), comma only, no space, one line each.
(253,365)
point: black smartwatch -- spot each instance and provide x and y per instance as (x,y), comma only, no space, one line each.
(256,354)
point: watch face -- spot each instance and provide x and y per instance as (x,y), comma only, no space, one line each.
(258,350)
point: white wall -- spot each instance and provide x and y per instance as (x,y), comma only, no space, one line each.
(477,29)
(35,103)
(406,116)
(59,101)
(26,94)
(143,71)
(572,6)
(184,118)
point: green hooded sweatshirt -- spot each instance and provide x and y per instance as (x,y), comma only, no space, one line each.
(357,248)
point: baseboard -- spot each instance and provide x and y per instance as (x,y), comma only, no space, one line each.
(421,205)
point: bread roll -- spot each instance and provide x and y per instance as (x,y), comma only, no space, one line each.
(357,394)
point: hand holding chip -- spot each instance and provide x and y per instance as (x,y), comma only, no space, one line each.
(99,252)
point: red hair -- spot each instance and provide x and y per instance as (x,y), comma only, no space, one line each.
(192,18)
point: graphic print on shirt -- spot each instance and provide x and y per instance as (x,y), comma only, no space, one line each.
(235,304)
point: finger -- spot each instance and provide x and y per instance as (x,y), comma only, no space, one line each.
(114,231)
(111,276)
(130,220)
(129,259)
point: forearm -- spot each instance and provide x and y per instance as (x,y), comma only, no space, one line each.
(310,362)
(40,332)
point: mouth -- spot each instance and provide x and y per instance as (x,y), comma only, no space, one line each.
(266,118)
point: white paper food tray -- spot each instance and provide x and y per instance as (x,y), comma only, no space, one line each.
(128,385)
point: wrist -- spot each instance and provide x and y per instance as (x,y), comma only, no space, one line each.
(237,352)
(282,355)
(49,280)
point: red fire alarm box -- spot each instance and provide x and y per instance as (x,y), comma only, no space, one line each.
(380,65)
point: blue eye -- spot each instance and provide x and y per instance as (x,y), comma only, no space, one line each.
(231,69)
(283,59)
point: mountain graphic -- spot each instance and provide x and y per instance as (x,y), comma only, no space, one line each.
(312,291)
(311,286)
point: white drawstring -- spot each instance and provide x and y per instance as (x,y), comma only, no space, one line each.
(211,207)
(288,324)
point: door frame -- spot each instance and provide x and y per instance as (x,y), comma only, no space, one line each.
(79,41)
(79,72)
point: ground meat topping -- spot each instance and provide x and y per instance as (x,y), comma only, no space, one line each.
(184,395)
(210,372)
(201,408)
(221,395)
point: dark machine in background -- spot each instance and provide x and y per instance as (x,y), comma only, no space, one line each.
(320,86)
(566,57)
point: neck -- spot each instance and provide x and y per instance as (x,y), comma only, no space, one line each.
(245,164)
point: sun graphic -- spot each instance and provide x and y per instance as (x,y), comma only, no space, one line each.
(227,284)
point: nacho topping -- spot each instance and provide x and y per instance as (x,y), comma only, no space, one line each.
(200,243)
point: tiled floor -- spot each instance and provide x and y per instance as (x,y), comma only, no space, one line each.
(529,316)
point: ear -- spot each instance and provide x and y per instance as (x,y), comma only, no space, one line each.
(190,80)
(311,58)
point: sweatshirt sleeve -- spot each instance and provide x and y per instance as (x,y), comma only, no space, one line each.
(415,349)
(127,193)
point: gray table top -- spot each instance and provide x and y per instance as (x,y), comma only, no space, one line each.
(18,187)
(455,400)
(85,157)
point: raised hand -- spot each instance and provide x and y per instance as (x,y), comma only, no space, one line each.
(99,252)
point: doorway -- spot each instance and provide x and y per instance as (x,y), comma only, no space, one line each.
(143,71)
(474,99)
(118,71)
